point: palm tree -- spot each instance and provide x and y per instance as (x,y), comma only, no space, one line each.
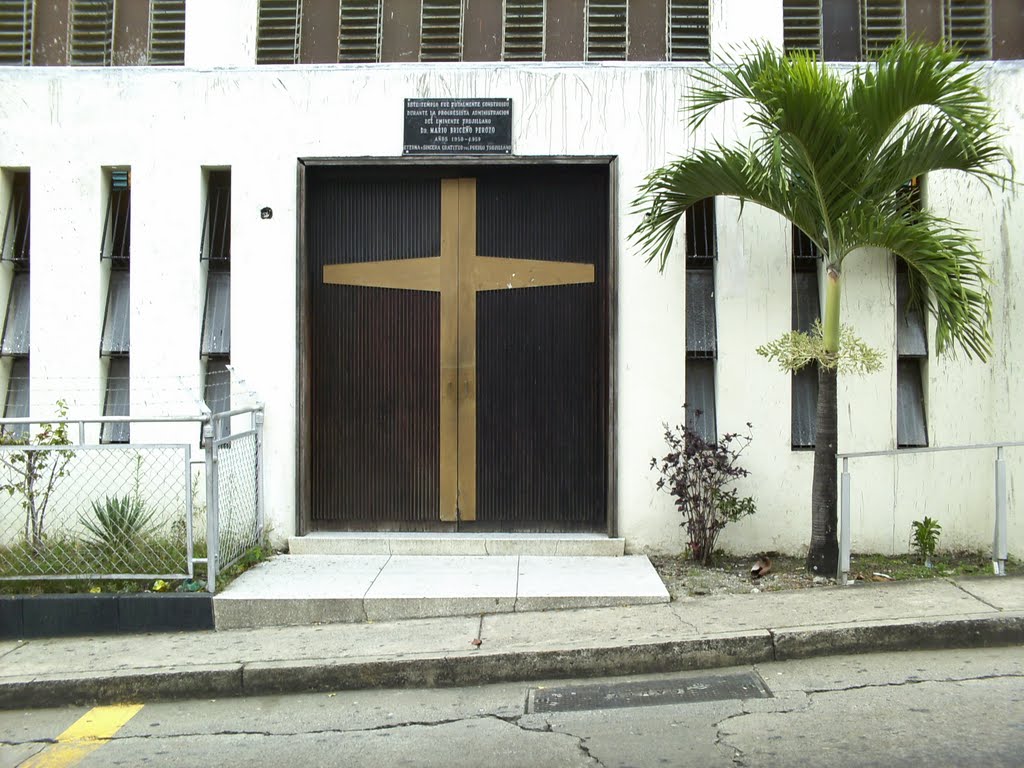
(832,150)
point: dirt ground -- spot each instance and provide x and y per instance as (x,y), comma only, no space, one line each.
(730,575)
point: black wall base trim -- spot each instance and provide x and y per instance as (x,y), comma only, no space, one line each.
(28,616)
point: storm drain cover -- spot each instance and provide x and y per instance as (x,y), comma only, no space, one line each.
(649,693)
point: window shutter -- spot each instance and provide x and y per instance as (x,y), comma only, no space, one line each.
(688,38)
(91,40)
(16,18)
(16,241)
(882,23)
(277,36)
(523,38)
(801,26)
(359,25)
(967,24)
(167,32)
(16,323)
(607,25)
(441,30)
(16,405)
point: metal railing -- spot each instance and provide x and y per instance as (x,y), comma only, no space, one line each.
(1000,547)
(79,510)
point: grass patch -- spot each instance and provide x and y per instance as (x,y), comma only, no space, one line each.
(154,555)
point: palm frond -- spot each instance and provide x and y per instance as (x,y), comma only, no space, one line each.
(948,273)
(669,191)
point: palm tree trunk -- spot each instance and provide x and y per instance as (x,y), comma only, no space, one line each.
(823,555)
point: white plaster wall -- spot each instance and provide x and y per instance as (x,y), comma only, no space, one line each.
(167,124)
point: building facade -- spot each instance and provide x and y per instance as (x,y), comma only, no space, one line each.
(201,192)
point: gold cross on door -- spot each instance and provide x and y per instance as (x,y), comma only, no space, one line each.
(458,273)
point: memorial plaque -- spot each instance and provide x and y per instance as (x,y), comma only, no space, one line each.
(456,126)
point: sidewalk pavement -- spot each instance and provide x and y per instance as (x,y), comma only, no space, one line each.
(701,632)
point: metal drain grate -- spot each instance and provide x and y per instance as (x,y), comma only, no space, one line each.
(649,693)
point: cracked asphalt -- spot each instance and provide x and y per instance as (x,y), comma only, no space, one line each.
(939,708)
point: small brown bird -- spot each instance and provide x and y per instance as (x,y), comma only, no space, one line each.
(762,567)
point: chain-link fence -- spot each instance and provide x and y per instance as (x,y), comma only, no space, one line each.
(76,510)
(238,508)
(71,511)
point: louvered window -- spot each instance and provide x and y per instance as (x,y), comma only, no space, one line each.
(911,363)
(359,25)
(806,309)
(117,226)
(167,32)
(882,23)
(441,30)
(801,26)
(278,32)
(215,335)
(16,19)
(216,235)
(16,322)
(701,319)
(16,238)
(688,38)
(116,401)
(523,37)
(967,24)
(16,404)
(91,38)
(607,30)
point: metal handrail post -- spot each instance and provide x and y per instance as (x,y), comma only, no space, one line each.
(999,544)
(257,418)
(190,550)
(844,524)
(212,512)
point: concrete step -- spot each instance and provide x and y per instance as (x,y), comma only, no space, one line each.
(540,544)
(298,590)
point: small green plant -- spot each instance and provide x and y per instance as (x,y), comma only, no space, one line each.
(925,537)
(118,522)
(699,475)
(33,474)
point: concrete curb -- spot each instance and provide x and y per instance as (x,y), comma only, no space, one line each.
(481,667)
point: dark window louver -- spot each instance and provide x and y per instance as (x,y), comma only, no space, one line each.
(15,340)
(688,30)
(91,37)
(278,32)
(167,32)
(359,28)
(116,336)
(801,26)
(216,234)
(16,240)
(16,404)
(441,30)
(701,318)
(116,401)
(806,308)
(607,30)
(523,37)
(217,385)
(16,26)
(882,23)
(967,24)
(117,225)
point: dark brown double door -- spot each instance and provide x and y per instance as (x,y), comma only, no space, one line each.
(457,347)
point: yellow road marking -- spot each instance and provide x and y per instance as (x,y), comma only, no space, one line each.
(87,734)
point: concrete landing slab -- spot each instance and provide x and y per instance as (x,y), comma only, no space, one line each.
(289,591)
(436,544)
(587,582)
(297,590)
(413,586)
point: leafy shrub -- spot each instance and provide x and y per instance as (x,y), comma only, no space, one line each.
(925,537)
(118,523)
(698,475)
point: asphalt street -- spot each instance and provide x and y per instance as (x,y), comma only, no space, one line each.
(935,708)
